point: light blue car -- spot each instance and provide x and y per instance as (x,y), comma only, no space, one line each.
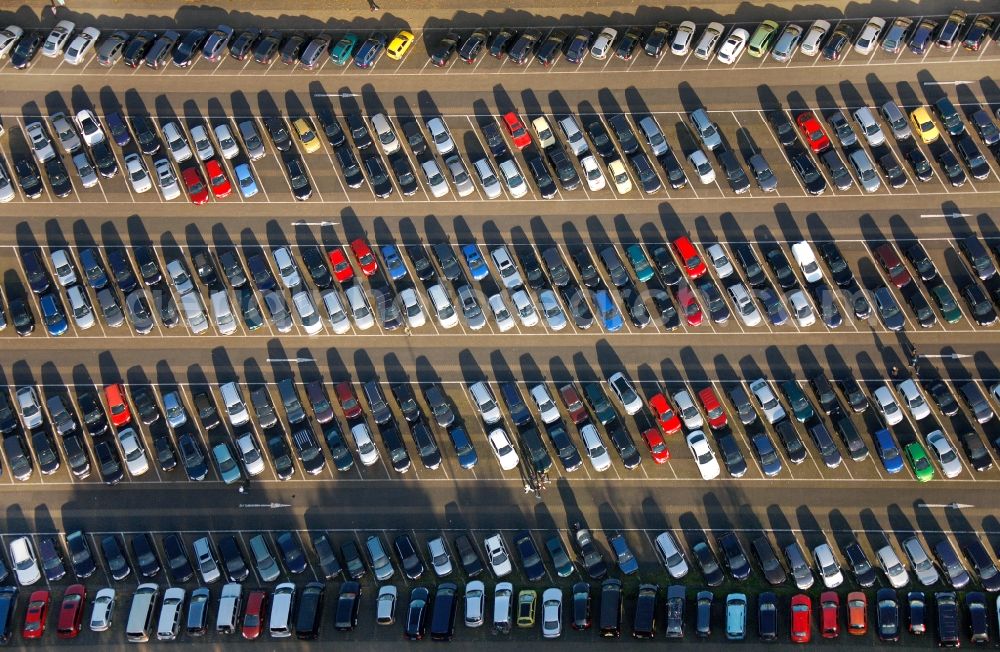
(229,470)
(244,177)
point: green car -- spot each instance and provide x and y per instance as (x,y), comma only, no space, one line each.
(801,406)
(919,462)
(341,52)
(640,264)
(762,39)
(229,470)
(560,558)
(946,303)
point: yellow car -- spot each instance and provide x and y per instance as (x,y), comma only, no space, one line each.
(307,135)
(400,45)
(526,608)
(622,183)
(924,124)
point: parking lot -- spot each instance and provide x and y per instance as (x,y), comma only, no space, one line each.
(810,502)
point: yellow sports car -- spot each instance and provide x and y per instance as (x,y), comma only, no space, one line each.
(399,45)
(924,124)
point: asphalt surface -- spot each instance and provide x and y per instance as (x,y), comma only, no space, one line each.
(808,502)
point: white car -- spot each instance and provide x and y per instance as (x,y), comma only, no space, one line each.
(869,36)
(137,174)
(437,551)
(40,142)
(687,410)
(438,184)
(385,605)
(496,554)
(413,312)
(9,36)
(503,449)
(81,46)
(304,305)
(170,614)
(180,151)
(7,191)
(702,167)
(202,144)
(745,307)
(623,184)
(363,439)
(546,406)
(103,610)
(773,411)
(703,455)
(626,394)
(513,178)
(913,399)
(502,316)
(22,556)
(603,42)
(827,566)
(921,562)
(475,603)
(63,267)
(806,259)
(596,452)
(894,570)
(592,172)
(733,46)
(89,127)
(671,555)
(552,600)
(708,41)
(56,40)
(801,308)
(887,405)
(942,449)
(166,179)
(249,454)
(335,312)
(719,260)
(85,169)
(287,269)
(525,309)
(814,38)
(683,38)
(443,142)
(227,144)
(135,456)
(487,178)
(552,310)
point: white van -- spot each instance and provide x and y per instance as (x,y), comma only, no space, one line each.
(229,608)
(223,312)
(443,307)
(170,614)
(282,602)
(485,401)
(232,398)
(194,312)
(140,614)
(360,309)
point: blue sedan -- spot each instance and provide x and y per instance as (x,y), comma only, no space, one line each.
(393,262)
(53,315)
(370,50)
(475,261)
(467,457)
(608,311)
(245,180)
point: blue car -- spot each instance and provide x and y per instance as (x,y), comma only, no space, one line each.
(620,550)
(475,261)
(467,457)
(119,131)
(53,315)
(93,268)
(370,50)
(888,451)
(608,311)
(393,262)
(244,178)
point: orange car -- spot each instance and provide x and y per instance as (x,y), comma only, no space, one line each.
(857,613)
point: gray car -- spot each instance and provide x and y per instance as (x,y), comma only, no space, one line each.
(867,176)
(463,182)
(842,128)
(251,139)
(379,559)
(552,310)
(166,179)
(762,173)
(65,132)
(7,191)
(139,311)
(109,308)
(84,168)
(474,316)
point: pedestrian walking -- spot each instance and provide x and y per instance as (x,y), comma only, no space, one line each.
(894,372)
(374,7)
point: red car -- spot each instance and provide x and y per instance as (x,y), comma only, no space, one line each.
(195,185)
(709,401)
(342,269)
(71,611)
(577,411)
(34,618)
(348,401)
(253,618)
(366,259)
(657,446)
(813,132)
(893,266)
(217,179)
(801,618)
(669,420)
(115,395)
(829,610)
(517,131)
(689,305)
(693,264)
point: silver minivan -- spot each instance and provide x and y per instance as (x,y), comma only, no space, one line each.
(282,605)
(223,312)
(236,408)
(574,137)
(894,116)
(251,139)
(386,136)
(867,176)
(443,307)
(869,127)
(705,129)
(654,135)
(488,178)
(359,307)
(485,401)
(194,312)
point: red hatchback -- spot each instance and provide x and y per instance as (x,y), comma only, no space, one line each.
(217,179)
(366,259)
(517,131)
(689,305)
(813,132)
(693,264)
(195,185)
(34,617)
(71,611)
(657,446)
(829,611)
(892,265)
(115,395)
(253,618)
(342,269)
(669,420)
(713,408)
(801,619)
(575,407)
(348,401)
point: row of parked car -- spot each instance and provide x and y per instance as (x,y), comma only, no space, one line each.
(516,45)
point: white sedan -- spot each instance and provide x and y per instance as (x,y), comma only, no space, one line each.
(502,448)
(166,179)
(9,37)
(946,456)
(137,173)
(703,455)
(914,399)
(475,603)
(887,405)
(591,170)
(89,127)
(552,601)
(733,46)
(22,555)
(81,46)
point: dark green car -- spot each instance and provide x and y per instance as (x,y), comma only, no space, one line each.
(946,303)
(343,49)
(560,558)
(801,406)
(599,402)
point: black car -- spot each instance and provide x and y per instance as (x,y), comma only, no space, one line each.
(602,141)
(942,396)
(278,131)
(353,176)
(378,177)
(778,262)
(403,172)
(21,315)
(665,263)
(523,47)
(783,127)
(114,558)
(48,459)
(708,563)
(409,559)
(841,38)
(979,304)
(195,464)
(975,450)
(579,45)
(146,559)
(145,405)
(531,561)
(473,45)
(58,177)
(569,456)
(137,48)
(983,565)
(416,613)
(34,269)
(919,164)
(204,405)
(315,263)
(329,565)
(450,268)
(826,304)
(472,564)
(80,555)
(947,625)
(308,451)
(446,47)
(953,570)
(427,448)
(581,606)
(166,456)
(104,159)
(353,561)
(393,441)
(622,442)
(733,556)
(921,262)
(918,304)
(28,178)
(149,267)
(887,620)
(292,49)
(292,554)
(266,46)
(145,135)
(243,44)
(623,132)
(339,452)
(657,39)
(568,177)
(628,43)
(281,455)
(26,49)
(767,616)
(735,175)
(540,173)
(634,305)
(298,178)
(672,167)
(422,265)
(550,49)
(713,300)
(857,561)
(309,611)
(8,420)
(810,176)
(348,601)
(51,560)
(853,393)
(763,552)
(187,49)
(892,170)
(840,272)
(839,174)
(108,463)
(177,560)
(575,300)
(331,128)
(791,441)
(952,169)
(647,176)
(491,132)
(518,410)
(979,168)
(502,41)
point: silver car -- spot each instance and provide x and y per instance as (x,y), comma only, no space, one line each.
(441,136)
(487,178)
(109,307)
(379,559)
(7,191)
(474,316)
(40,142)
(459,175)
(27,403)
(552,310)
(436,180)
(763,174)
(166,179)
(227,144)
(772,409)
(84,168)
(132,450)
(65,132)
(79,305)
(176,143)
(137,174)
(335,312)
(686,409)
(921,562)
(867,175)
(786,44)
